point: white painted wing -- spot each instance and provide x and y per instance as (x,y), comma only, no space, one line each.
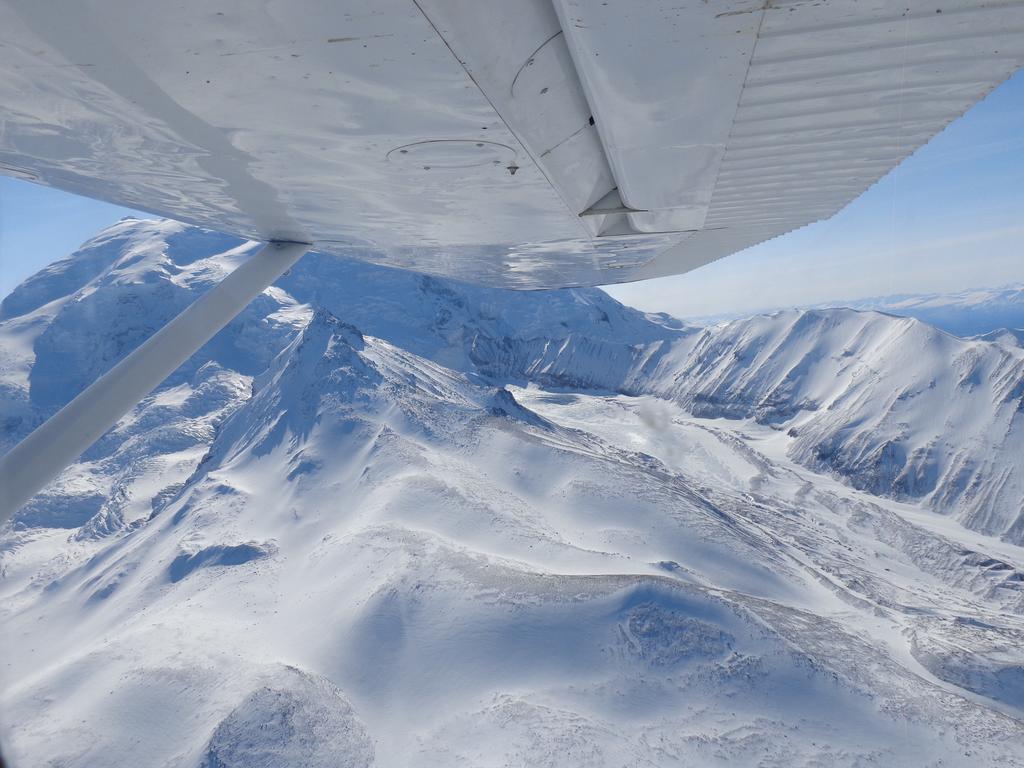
(527,144)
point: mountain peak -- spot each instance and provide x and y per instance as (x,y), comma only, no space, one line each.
(384,519)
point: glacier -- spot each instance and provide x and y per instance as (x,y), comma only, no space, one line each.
(388,519)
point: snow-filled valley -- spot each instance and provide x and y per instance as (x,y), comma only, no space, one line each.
(386,519)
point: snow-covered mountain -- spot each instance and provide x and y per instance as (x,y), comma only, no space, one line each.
(962,313)
(892,405)
(976,312)
(384,519)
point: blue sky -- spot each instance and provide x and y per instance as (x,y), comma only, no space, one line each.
(951,217)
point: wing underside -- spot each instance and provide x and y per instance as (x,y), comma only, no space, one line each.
(534,144)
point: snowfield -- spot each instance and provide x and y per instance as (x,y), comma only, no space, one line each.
(385,520)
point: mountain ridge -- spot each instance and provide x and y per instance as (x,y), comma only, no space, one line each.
(410,529)
(970,313)
(962,466)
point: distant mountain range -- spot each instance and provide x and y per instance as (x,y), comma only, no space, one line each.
(387,519)
(964,313)
(969,313)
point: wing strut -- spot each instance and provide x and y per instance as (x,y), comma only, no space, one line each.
(39,458)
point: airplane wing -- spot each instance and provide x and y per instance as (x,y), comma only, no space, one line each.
(527,144)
